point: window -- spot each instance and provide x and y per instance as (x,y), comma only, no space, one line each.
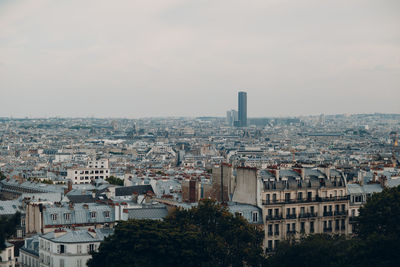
(91,247)
(294,211)
(302,227)
(288,228)
(60,249)
(268,198)
(54,217)
(62,263)
(92,214)
(79,262)
(79,249)
(255,216)
(276,212)
(309,195)
(270,244)
(270,229)
(287,211)
(276,243)
(300,196)
(302,211)
(287,197)
(343,207)
(336,224)
(276,229)
(294,227)
(270,212)
(107,214)
(312,210)
(311,227)
(67,216)
(336,207)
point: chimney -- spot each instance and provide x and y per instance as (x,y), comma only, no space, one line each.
(277,174)
(383,181)
(328,172)
(69,187)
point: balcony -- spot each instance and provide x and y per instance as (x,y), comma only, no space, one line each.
(328,230)
(290,232)
(328,213)
(341,213)
(308,215)
(352,219)
(272,218)
(290,216)
(305,200)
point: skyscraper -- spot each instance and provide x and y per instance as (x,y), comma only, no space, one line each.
(242,114)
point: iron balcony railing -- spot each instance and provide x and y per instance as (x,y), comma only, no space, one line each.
(341,213)
(305,200)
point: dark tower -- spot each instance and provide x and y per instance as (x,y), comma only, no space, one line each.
(242,114)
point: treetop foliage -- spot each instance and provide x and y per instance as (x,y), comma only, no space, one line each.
(207,235)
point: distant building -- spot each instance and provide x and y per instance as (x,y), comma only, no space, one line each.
(242,106)
(97,169)
(231,117)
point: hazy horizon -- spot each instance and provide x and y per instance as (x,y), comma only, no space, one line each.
(176,58)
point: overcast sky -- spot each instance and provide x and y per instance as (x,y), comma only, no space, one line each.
(128,58)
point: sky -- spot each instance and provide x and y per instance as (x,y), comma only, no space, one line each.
(131,59)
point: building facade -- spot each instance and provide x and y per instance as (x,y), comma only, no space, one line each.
(69,248)
(97,169)
(303,201)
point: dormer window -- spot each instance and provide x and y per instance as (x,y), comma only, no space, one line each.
(92,214)
(54,217)
(67,216)
(107,214)
(255,216)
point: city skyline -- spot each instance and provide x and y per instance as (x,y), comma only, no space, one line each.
(293,58)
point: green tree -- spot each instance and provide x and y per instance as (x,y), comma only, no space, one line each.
(8,227)
(378,230)
(313,250)
(207,235)
(115,181)
(2,176)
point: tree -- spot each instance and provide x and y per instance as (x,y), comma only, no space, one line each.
(313,250)
(378,230)
(115,181)
(2,176)
(207,235)
(8,226)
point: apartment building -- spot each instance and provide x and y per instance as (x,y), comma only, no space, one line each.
(303,201)
(42,218)
(95,169)
(69,248)
(7,258)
